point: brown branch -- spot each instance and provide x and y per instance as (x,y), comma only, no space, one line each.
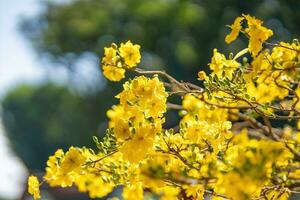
(98,160)
(163,73)
(279,45)
(174,106)
(223,106)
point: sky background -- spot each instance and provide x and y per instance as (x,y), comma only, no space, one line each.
(18,64)
(17,60)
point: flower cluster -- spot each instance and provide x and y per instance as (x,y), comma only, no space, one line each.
(255,31)
(117,59)
(224,140)
(139,116)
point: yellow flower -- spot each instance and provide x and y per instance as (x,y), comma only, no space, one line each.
(130,53)
(144,94)
(61,179)
(261,63)
(235,29)
(196,130)
(63,169)
(113,73)
(73,160)
(121,129)
(116,60)
(285,52)
(195,191)
(191,103)
(133,191)
(136,149)
(197,108)
(114,114)
(54,174)
(267,92)
(202,75)
(168,192)
(109,56)
(34,187)
(93,184)
(258,34)
(219,63)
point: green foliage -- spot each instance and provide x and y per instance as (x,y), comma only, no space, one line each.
(180,32)
(38,120)
(108,145)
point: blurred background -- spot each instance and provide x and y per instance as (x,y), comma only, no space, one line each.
(52,91)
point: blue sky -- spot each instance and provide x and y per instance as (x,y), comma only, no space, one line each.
(18,63)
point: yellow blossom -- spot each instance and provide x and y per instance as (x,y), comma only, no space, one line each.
(235,29)
(131,54)
(202,75)
(94,185)
(34,187)
(198,109)
(114,114)
(116,60)
(122,129)
(195,191)
(72,161)
(56,175)
(133,191)
(136,148)
(258,34)
(220,64)
(110,54)
(146,94)
(113,73)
